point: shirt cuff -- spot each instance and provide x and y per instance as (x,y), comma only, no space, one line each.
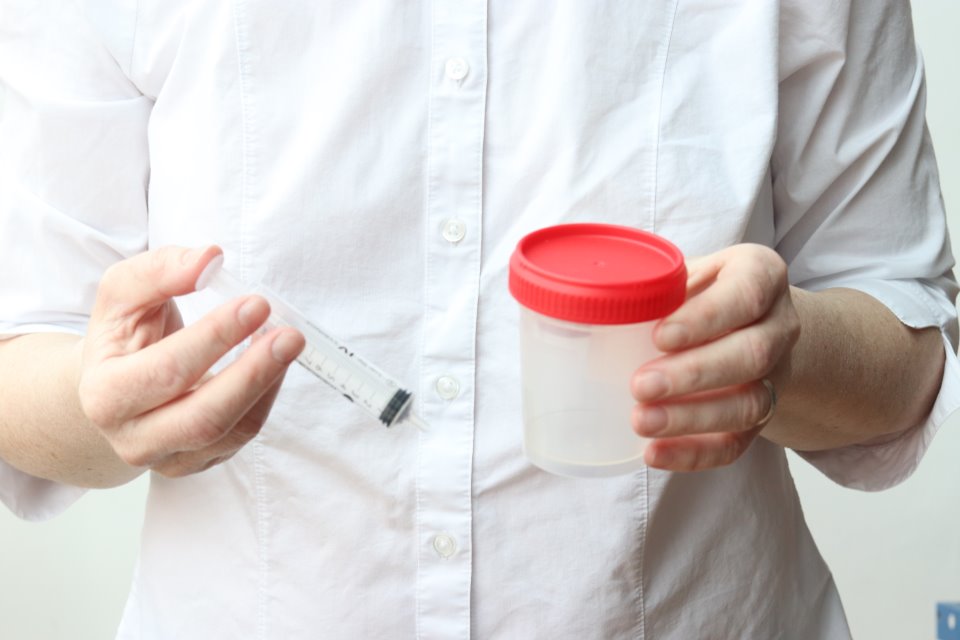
(32,498)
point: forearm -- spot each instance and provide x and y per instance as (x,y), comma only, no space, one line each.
(43,430)
(856,373)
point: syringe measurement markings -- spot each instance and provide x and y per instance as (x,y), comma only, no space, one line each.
(374,398)
(354,387)
(343,376)
(327,369)
(313,359)
(322,364)
(358,385)
(364,394)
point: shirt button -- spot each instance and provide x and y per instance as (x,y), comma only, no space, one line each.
(454,230)
(447,388)
(444,545)
(457,68)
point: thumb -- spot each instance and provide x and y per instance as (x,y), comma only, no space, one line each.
(701,271)
(151,278)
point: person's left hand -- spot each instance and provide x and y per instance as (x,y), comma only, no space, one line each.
(704,402)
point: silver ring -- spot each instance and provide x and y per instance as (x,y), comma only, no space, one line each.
(773,402)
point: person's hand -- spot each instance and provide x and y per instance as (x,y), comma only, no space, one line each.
(144,378)
(705,401)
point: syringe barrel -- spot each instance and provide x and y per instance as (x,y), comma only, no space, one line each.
(324,356)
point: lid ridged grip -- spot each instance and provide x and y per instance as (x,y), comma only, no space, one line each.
(595,273)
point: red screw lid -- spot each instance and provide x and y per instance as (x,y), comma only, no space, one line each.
(598,274)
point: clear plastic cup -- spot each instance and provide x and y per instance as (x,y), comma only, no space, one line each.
(590,295)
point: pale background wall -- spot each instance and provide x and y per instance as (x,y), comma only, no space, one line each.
(894,554)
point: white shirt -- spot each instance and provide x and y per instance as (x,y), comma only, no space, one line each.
(376,163)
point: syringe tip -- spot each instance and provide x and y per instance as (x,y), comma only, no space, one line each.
(416,421)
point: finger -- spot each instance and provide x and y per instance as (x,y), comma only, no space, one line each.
(737,358)
(165,370)
(149,279)
(701,272)
(737,409)
(123,387)
(730,290)
(207,414)
(180,465)
(188,462)
(698,453)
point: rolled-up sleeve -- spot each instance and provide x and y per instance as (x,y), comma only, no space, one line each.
(857,195)
(73,175)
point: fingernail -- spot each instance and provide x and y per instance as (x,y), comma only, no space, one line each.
(672,335)
(652,420)
(650,386)
(286,347)
(660,458)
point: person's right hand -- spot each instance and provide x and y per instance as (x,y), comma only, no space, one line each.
(144,378)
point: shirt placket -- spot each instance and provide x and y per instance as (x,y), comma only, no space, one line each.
(453,233)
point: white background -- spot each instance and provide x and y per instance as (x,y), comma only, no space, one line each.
(894,554)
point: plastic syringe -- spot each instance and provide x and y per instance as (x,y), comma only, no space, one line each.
(324,356)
